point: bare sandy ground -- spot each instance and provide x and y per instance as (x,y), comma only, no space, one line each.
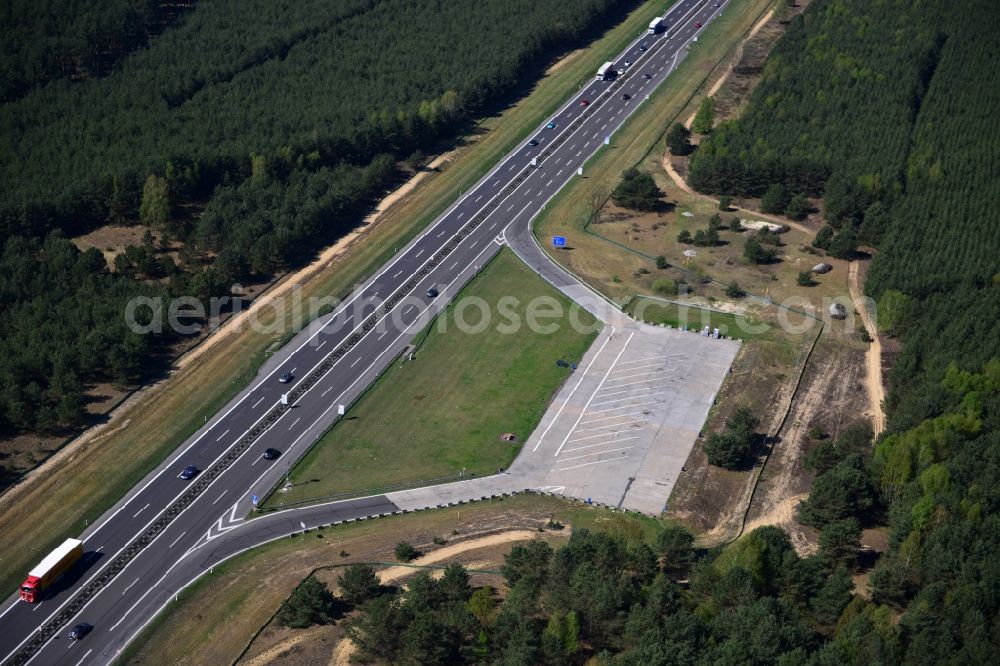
(873,357)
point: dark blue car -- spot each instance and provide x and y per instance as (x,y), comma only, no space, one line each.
(189,472)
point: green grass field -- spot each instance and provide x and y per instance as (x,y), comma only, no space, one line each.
(446,410)
(695,318)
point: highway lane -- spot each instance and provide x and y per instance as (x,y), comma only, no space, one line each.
(227,499)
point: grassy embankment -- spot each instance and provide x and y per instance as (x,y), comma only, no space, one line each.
(215,617)
(60,500)
(445,411)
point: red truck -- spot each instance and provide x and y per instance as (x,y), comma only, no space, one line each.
(48,570)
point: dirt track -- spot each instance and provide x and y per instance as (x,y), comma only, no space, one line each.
(873,357)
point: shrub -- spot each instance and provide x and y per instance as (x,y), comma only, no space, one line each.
(843,244)
(637,190)
(705,117)
(757,254)
(706,238)
(679,139)
(805,279)
(405,551)
(665,287)
(359,583)
(768,237)
(798,207)
(823,238)
(731,448)
(310,603)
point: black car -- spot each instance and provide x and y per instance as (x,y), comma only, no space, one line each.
(80,630)
(271,454)
(626,96)
(189,473)
(532,143)
(432,292)
(642,47)
(285,378)
(647,75)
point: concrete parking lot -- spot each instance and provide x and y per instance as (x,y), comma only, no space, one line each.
(620,433)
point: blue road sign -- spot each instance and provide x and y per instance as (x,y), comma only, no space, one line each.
(559,241)
(254,500)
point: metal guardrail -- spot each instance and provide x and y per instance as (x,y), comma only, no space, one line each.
(380,490)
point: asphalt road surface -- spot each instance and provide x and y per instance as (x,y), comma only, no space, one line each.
(330,363)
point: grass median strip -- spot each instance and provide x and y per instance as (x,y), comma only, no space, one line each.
(475,377)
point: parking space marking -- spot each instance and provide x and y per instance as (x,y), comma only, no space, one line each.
(613,425)
(590,446)
(611,409)
(641,374)
(631,397)
(637,367)
(616,416)
(650,358)
(596,462)
(596,453)
(644,389)
(638,381)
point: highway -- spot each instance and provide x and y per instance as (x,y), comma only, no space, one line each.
(131,552)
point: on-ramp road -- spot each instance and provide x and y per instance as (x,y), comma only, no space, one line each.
(140,540)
